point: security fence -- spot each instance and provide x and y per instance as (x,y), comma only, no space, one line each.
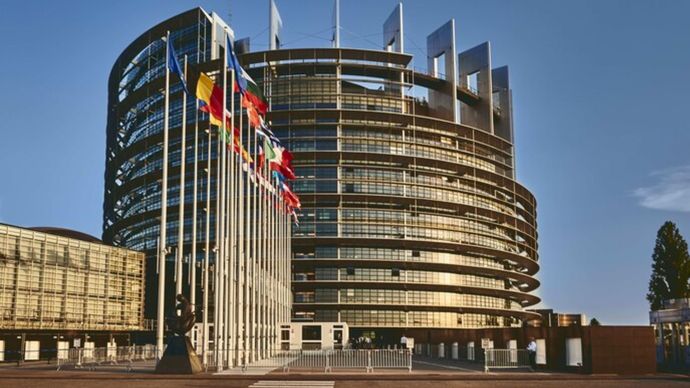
(90,358)
(129,357)
(470,353)
(506,358)
(367,360)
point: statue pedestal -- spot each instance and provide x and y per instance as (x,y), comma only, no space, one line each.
(179,358)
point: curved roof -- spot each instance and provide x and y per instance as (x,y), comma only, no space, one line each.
(69,233)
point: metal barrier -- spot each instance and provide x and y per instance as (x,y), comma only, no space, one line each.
(90,358)
(306,359)
(390,359)
(505,358)
(349,359)
(327,360)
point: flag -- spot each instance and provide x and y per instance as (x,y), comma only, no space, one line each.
(254,94)
(252,114)
(287,158)
(277,154)
(291,211)
(289,197)
(279,177)
(268,150)
(234,64)
(266,132)
(261,158)
(174,65)
(212,97)
(244,84)
(239,148)
(286,171)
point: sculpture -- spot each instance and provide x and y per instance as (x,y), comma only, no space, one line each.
(180,325)
(179,356)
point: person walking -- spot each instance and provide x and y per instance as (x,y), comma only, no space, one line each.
(532,352)
(403,342)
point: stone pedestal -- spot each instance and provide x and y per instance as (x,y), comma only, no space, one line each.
(179,358)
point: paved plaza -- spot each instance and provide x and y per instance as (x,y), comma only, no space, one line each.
(426,373)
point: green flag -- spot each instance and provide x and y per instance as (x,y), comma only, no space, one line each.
(268,150)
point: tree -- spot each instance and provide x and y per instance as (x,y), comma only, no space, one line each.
(670,267)
(594,322)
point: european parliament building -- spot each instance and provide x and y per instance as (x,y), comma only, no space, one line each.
(412,217)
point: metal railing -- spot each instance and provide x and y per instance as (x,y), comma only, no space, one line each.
(326,360)
(488,358)
(506,358)
(90,358)
(366,360)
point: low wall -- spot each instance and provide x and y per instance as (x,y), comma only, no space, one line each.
(604,349)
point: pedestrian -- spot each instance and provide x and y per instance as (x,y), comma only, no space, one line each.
(403,341)
(532,352)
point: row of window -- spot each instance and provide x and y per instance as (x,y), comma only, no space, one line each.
(325,252)
(53,309)
(399,276)
(59,253)
(400,232)
(408,319)
(402,190)
(402,297)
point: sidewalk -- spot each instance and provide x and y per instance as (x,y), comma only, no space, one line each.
(108,373)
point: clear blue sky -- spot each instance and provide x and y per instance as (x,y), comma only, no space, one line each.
(600,99)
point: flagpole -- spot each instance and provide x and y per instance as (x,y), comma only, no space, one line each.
(233,243)
(281,234)
(207,244)
(241,253)
(276,230)
(180,223)
(288,254)
(247,238)
(257,256)
(224,290)
(192,283)
(216,278)
(164,211)
(231,247)
(264,223)
(255,266)
(221,222)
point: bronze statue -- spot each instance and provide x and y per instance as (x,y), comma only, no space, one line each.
(180,325)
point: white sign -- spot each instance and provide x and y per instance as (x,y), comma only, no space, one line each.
(77,342)
(487,343)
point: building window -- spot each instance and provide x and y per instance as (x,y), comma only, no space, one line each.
(311,333)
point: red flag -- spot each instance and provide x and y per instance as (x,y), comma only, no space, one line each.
(252,113)
(261,157)
(283,169)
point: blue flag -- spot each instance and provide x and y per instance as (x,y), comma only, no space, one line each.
(279,176)
(174,65)
(234,64)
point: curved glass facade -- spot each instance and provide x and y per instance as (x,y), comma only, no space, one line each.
(132,202)
(408,220)
(133,184)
